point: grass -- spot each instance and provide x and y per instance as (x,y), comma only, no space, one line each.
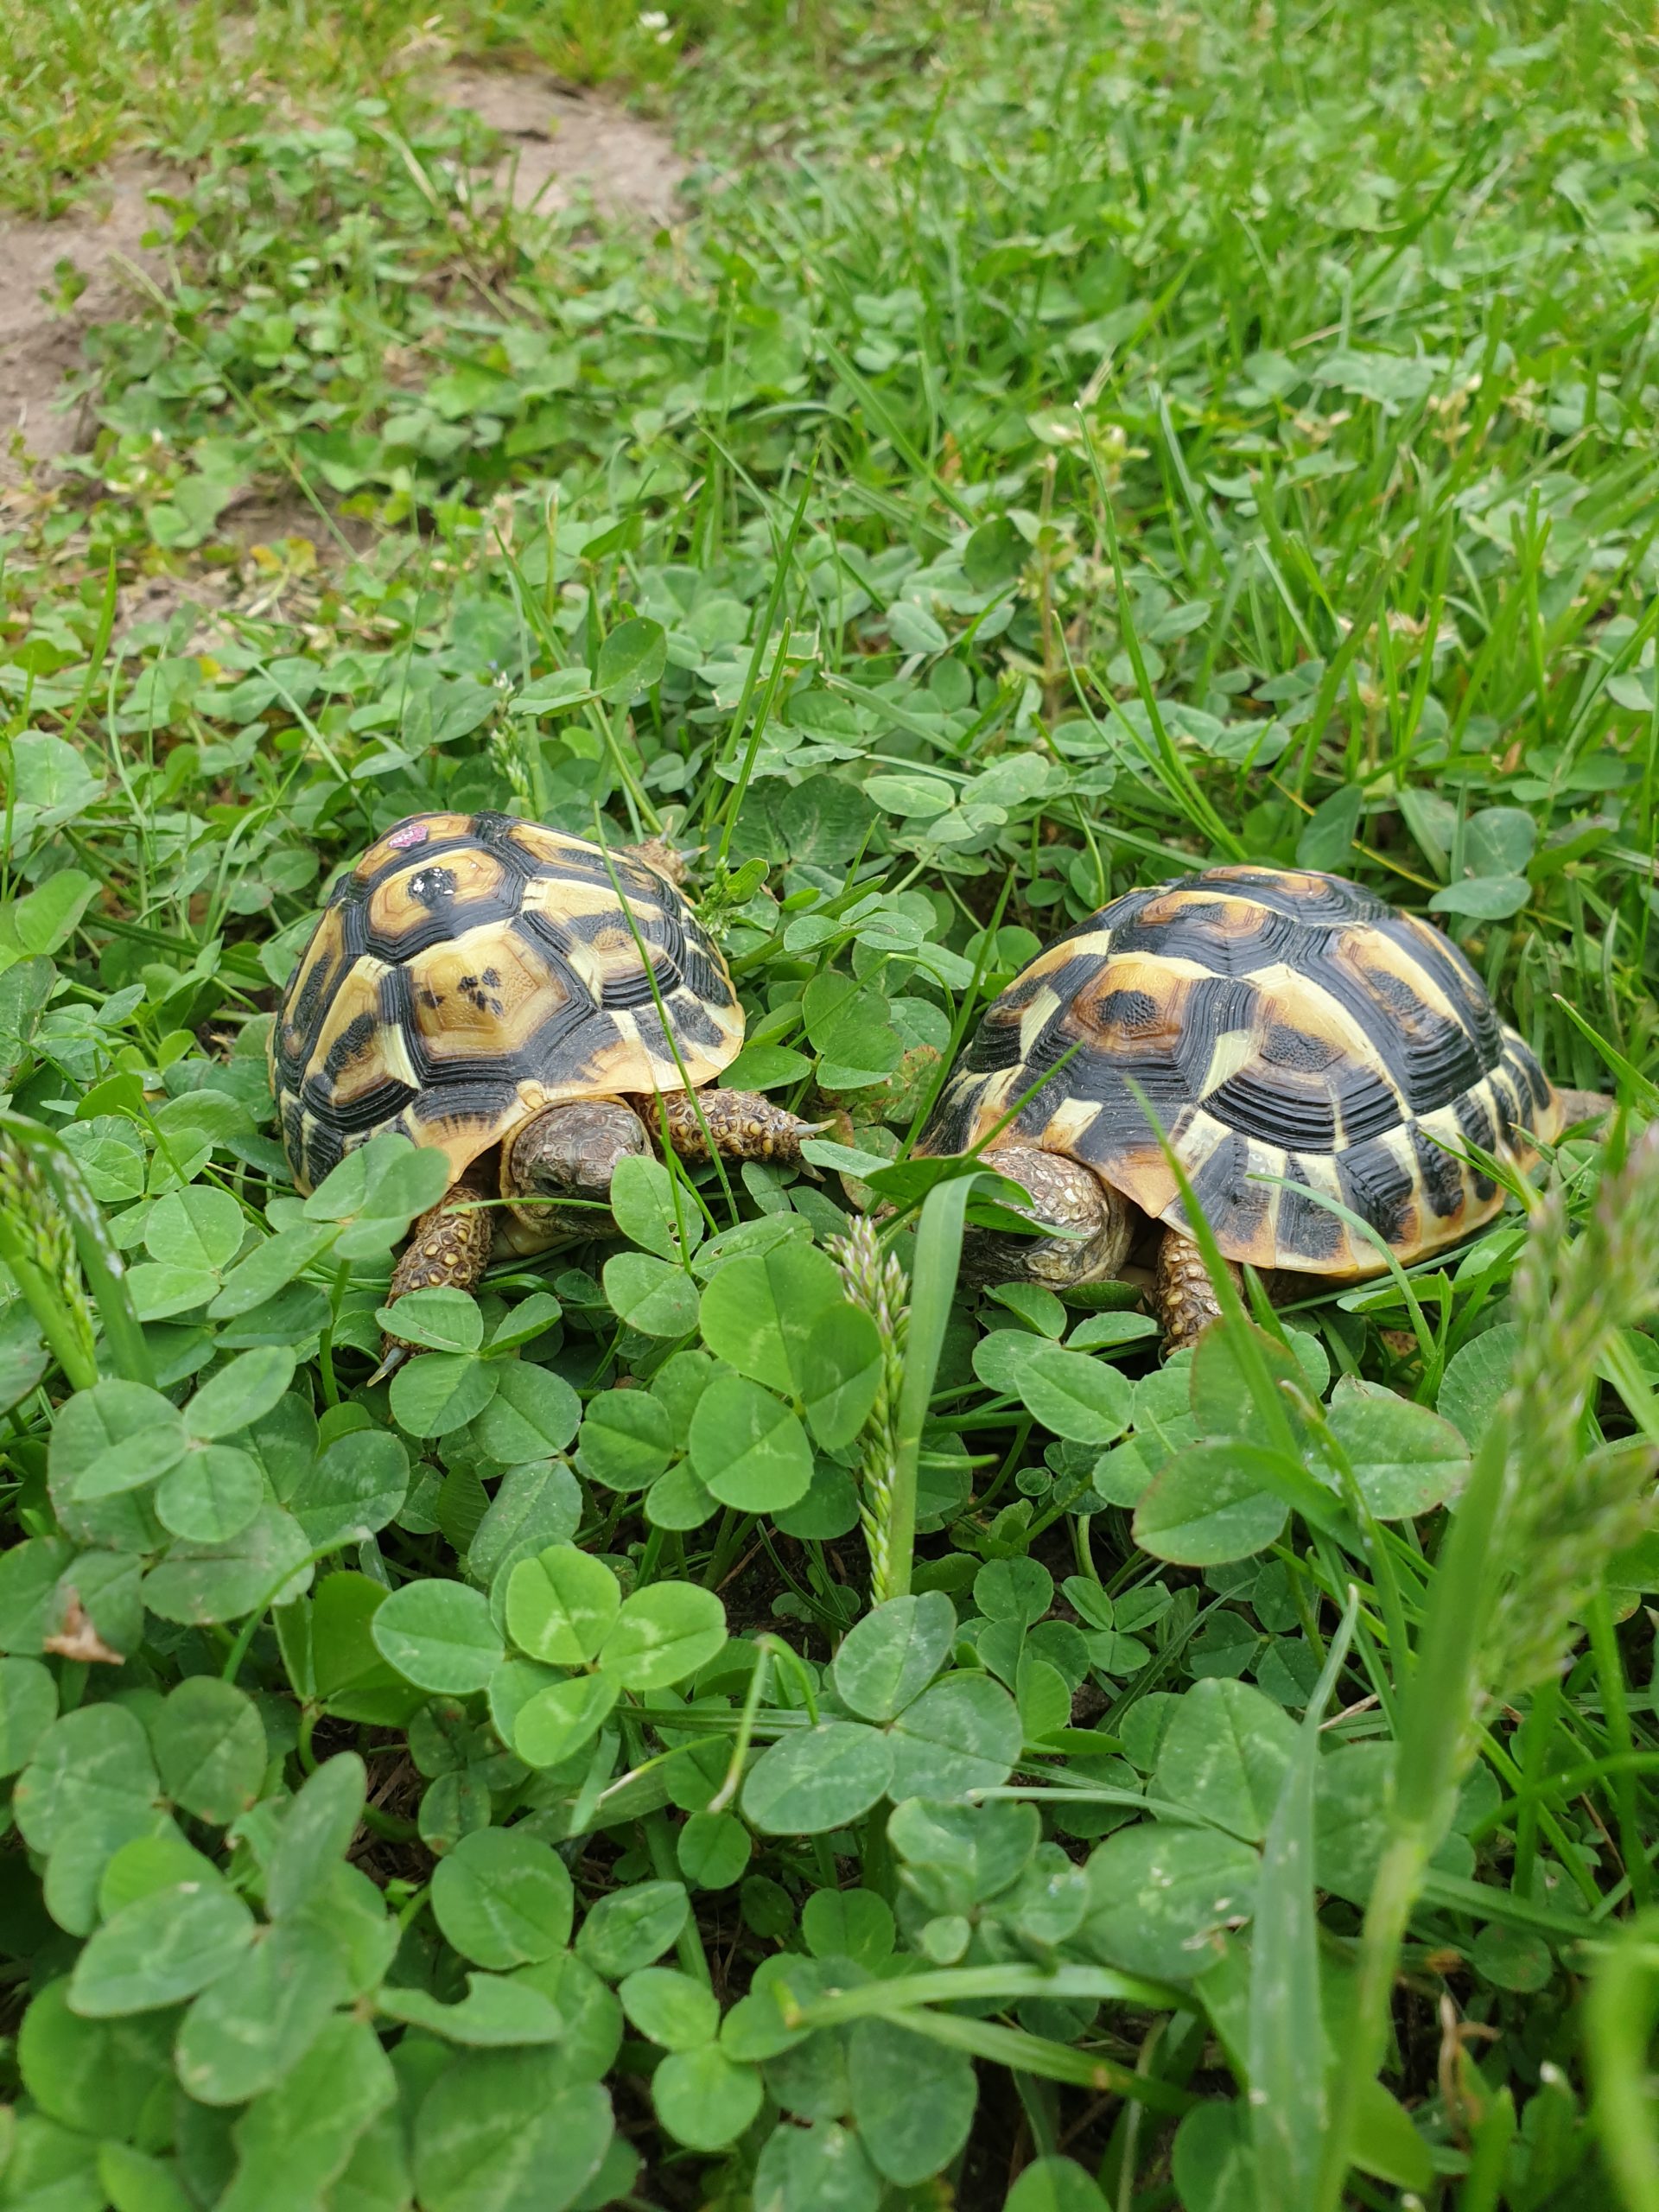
(1060,446)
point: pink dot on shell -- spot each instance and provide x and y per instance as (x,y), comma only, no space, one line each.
(412,833)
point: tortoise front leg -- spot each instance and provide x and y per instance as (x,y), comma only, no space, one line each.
(744,1125)
(1183,1297)
(448,1245)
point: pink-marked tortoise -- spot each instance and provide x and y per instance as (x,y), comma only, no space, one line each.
(532,1006)
(1278,1023)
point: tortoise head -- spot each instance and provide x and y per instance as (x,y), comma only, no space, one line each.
(569,1151)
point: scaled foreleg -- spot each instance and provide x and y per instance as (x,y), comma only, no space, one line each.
(741,1124)
(448,1246)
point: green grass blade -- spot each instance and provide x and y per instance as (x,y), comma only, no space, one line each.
(932,1285)
(1620,2013)
(1286,2027)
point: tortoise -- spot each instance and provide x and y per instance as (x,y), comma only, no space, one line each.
(534,1006)
(1278,1024)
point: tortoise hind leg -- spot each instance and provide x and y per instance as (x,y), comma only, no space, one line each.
(448,1245)
(657,852)
(1183,1297)
(1577,1106)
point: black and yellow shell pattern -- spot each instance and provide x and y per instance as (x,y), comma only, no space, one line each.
(1277,1023)
(473,969)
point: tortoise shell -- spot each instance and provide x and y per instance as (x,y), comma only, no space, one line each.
(473,969)
(1277,1024)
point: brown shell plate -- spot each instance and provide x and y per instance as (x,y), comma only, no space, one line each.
(1276,1025)
(473,969)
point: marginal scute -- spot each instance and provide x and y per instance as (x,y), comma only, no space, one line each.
(473,969)
(1300,1045)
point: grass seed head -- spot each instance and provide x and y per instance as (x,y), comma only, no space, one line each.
(48,1241)
(879,1286)
(1570,1508)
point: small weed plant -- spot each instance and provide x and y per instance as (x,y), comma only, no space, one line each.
(742,1718)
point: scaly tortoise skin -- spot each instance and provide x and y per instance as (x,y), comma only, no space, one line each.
(1279,1024)
(472,972)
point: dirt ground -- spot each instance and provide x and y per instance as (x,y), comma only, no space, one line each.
(560,143)
(40,339)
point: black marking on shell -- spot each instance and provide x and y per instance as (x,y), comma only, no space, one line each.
(1229,1201)
(1379,1189)
(1057,1037)
(636,990)
(292,1116)
(1276,1114)
(483,1092)
(301,1018)
(440,921)
(354,1041)
(353,932)
(1215,1005)
(703,978)
(1430,1057)
(1475,1121)
(1304,1230)
(1476,1124)
(648,1024)
(1367,1103)
(394,995)
(1296,1051)
(656,930)
(1438,1174)
(495,832)
(635,881)
(695,1024)
(372,1109)
(1069,982)
(1504,1104)
(1452,974)
(565,1019)
(951,1126)
(1130,1013)
(996,1045)
(325,1147)
(432,887)
(547,932)
(1519,1059)
(1168,1088)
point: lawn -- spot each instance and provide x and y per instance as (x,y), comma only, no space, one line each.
(746,1718)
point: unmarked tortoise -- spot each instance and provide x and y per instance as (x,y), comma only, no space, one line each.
(498,991)
(1277,1023)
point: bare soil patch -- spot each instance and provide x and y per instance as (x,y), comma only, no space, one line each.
(564,141)
(39,340)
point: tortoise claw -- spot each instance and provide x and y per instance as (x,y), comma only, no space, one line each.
(392,1356)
